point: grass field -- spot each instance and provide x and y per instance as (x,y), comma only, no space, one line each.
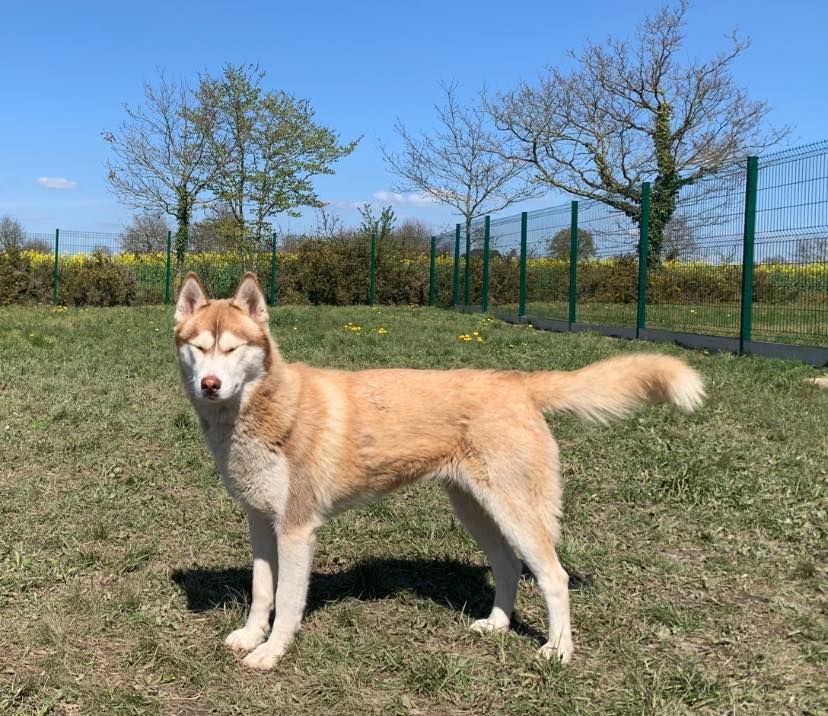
(798,324)
(696,544)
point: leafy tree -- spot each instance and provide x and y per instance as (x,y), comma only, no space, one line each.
(631,111)
(382,225)
(218,231)
(454,164)
(161,162)
(147,233)
(560,245)
(266,148)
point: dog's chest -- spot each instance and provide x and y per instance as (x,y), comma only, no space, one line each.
(253,474)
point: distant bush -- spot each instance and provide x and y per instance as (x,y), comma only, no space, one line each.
(97,281)
(335,271)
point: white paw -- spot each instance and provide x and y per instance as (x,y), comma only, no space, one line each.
(245,639)
(489,626)
(263,657)
(561,650)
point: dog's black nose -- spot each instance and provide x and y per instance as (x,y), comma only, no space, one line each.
(210,385)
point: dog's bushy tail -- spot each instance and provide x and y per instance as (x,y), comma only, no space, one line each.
(615,387)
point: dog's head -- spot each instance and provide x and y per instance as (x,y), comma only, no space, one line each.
(223,345)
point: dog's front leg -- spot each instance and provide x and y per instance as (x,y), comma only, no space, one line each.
(296,547)
(263,545)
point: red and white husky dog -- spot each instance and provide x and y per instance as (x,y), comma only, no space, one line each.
(296,444)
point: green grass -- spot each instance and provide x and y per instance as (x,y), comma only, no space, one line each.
(696,544)
(798,324)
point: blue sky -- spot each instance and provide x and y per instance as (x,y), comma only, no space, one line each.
(66,69)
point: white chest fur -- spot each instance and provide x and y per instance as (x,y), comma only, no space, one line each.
(254,475)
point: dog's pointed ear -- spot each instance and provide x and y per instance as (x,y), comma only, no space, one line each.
(250,299)
(190,297)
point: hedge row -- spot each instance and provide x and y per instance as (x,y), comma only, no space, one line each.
(331,272)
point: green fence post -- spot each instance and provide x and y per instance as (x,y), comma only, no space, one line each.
(643,258)
(455,291)
(751,187)
(273,269)
(573,263)
(168,268)
(372,287)
(484,300)
(524,223)
(55,270)
(432,273)
(468,268)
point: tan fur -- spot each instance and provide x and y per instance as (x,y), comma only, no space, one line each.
(304,443)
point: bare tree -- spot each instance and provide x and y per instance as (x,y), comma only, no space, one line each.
(679,239)
(812,251)
(328,222)
(630,112)
(413,236)
(11,233)
(39,245)
(454,164)
(147,233)
(161,161)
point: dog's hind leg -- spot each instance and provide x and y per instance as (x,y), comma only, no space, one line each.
(521,491)
(505,564)
(529,534)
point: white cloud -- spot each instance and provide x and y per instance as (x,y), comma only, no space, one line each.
(342,204)
(398,199)
(56,183)
(415,199)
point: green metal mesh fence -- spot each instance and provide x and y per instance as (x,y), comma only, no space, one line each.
(504,266)
(95,268)
(547,262)
(695,275)
(444,269)
(608,275)
(471,274)
(402,269)
(790,280)
(694,282)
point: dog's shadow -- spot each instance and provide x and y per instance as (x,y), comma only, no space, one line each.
(449,583)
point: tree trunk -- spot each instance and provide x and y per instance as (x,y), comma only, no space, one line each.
(182,235)
(667,183)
